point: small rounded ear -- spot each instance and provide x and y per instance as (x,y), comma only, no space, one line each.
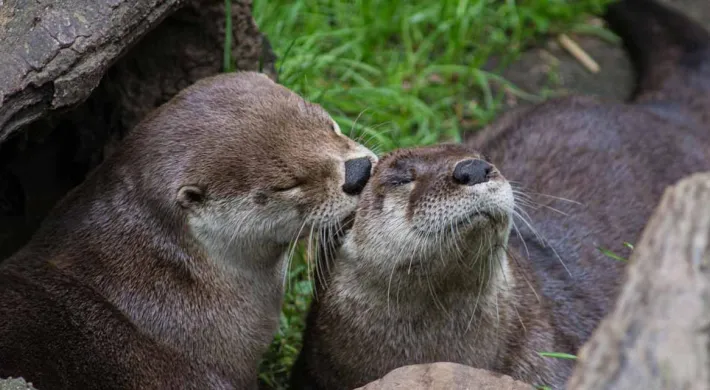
(190,196)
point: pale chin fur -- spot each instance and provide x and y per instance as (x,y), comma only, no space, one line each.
(386,236)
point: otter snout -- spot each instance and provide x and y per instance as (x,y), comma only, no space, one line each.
(472,172)
(357,173)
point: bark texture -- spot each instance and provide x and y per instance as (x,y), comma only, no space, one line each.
(55,53)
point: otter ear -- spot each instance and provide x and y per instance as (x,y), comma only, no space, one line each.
(190,196)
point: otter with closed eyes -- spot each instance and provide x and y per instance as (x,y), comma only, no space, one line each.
(165,268)
(430,269)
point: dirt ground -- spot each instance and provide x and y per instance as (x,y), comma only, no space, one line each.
(535,68)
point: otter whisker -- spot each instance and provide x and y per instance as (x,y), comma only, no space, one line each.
(535,206)
(510,255)
(542,240)
(496,295)
(520,236)
(558,198)
(475,306)
(322,241)
(371,133)
(389,283)
(460,261)
(289,257)
(505,279)
(435,297)
(527,223)
(520,192)
(321,279)
(329,243)
(310,267)
(357,118)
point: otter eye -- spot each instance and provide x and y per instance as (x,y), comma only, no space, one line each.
(287,185)
(190,196)
(285,188)
(401,178)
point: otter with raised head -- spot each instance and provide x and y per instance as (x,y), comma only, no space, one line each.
(425,275)
(430,270)
(165,268)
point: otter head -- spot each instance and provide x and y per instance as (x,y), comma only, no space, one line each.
(252,166)
(430,206)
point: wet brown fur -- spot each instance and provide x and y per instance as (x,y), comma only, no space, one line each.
(610,160)
(131,283)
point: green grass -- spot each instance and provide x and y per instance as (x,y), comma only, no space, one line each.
(399,74)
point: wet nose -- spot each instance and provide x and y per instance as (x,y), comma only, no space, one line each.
(472,172)
(357,173)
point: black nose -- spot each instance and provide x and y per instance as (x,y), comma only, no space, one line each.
(357,173)
(472,172)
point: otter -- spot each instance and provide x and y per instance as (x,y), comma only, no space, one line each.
(424,275)
(165,268)
(430,269)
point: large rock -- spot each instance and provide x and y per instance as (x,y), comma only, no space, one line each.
(15,384)
(77,75)
(444,376)
(658,335)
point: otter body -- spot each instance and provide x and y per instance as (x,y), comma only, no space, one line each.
(397,294)
(165,268)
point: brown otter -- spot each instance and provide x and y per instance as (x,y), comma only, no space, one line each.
(165,268)
(424,275)
(405,289)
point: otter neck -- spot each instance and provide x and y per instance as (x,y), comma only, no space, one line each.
(415,281)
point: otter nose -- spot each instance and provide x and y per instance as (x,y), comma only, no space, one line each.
(357,173)
(472,172)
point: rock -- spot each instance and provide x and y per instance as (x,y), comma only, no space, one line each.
(549,66)
(444,376)
(658,334)
(15,384)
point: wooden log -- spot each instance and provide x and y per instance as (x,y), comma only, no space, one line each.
(53,54)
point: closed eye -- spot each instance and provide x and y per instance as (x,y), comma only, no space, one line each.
(401,178)
(286,186)
(283,189)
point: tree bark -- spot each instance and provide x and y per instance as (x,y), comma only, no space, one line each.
(54,53)
(658,335)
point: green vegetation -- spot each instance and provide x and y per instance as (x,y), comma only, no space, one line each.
(558,355)
(615,256)
(555,355)
(396,74)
